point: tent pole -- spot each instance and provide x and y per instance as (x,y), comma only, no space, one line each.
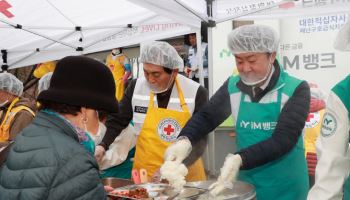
(45,28)
(18,26)
(211,136)
(59,11)
(128,26)
(65,28)
(103,27)
(200,57)
(192,11)
(253,11)
(35,51)
(99,40)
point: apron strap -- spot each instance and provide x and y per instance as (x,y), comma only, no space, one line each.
(183,104)
(9,110)
(150,103)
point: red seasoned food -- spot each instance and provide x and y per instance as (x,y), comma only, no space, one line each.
(137,193)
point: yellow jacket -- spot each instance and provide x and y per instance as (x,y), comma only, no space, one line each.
(44,68)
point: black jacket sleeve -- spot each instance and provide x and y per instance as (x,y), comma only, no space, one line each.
(286,134)
(216,111)
(116,122)
(199,147)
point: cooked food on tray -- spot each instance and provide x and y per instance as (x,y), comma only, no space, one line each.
(138,193)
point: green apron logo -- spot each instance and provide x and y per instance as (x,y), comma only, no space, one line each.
(329,125)
(266,126)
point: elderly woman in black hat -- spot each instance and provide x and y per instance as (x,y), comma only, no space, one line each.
(53,157)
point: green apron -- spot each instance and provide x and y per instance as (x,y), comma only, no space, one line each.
(285,178)
(122,170)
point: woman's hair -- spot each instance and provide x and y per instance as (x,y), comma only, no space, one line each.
(59,107)
(68,109)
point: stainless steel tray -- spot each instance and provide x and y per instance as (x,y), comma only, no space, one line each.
(240,191)
(161,192)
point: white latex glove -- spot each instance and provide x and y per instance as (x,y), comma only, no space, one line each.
(175,173)
(173,169)
(99,153)
(228,174)
(179,150)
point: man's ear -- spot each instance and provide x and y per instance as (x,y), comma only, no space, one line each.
(175,71)
(273,57)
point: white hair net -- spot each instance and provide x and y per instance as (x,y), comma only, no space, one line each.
(161,53)
(342,41)
(253,38)
(11,84)
(44,82)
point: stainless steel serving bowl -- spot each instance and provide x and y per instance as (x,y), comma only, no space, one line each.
(116,182)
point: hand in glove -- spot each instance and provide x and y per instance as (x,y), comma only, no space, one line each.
(228,174)
(173,170)
(179,150)
(175,173)
(99,153)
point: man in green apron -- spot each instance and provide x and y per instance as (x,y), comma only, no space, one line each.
(270,108)
(332,147)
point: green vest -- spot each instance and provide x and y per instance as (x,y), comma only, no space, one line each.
(342,90)
(285,178)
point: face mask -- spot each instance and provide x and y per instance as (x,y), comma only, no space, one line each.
(253,81)
(4,103)
(156,90)
(101,132)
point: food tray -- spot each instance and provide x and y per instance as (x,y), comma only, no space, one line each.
(159,191)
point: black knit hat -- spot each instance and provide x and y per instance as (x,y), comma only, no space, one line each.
(82,81)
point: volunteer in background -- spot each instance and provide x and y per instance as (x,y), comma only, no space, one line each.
(16,112)
(191,66)
(119,65)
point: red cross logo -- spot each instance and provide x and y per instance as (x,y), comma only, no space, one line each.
(309,117)
(169,129)
(3,9)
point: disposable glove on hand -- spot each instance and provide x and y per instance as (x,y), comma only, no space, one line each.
(173,169)
(178,151)
(228,174)
(175,173)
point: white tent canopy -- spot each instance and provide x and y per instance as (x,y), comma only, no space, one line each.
(41,30)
